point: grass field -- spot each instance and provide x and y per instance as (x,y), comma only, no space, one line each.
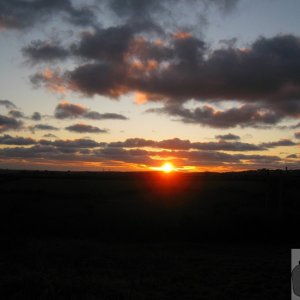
(147,235)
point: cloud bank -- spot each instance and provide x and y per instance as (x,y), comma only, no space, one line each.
(143,154)
(263,79)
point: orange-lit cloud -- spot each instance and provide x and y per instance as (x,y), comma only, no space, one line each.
(159,42)
(137,68)
(65,103)
(140,98)
(136,47)
(245,50)
(137,56)
(152,64)
(181,35)
(52,80)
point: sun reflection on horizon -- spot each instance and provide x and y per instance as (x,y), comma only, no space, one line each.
(167,167)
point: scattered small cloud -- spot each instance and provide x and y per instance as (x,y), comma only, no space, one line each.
(8,104)
(9,140)
(9,123)
(43,127)
(16,114)
(280,143)
(44,51)
(228,136)
(84,128)
(294,156)
(67,110)
(20,15)
(50,135)
(36,116)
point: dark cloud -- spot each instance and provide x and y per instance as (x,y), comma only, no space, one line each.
(56,154)
(62,145)
(77,143)
(228,136)
(243,74)
(142,54)
(36,116)
(216,146)
(297,135)
(138,156)
(228,146)
(246,75)
(264,78)
(8,104)
(93,115)
(42,51)
(175,143)
(8,123)
(181,152)
(43,127)
(167,10)
(25,152)
(16,114)
(218,159)
(49,135)
(173,147)
(243,116)
(279,143)
(133,143)
(178,144)
(221,158)
(292,156)
(68,110)
(19,14)
(99,78)
(105,44)
(83,128)
(83,16)
(9,140)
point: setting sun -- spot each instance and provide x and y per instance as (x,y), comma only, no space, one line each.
(167,168)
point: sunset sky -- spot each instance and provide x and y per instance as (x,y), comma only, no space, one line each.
(127,85)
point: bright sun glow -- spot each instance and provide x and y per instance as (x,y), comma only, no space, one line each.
(167,168)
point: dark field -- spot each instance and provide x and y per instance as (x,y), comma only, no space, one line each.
(147,235)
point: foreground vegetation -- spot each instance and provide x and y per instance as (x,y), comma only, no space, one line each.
(147,235)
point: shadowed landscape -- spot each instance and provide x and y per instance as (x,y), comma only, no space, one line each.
(151,235)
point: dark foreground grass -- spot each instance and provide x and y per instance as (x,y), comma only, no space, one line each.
(147,236)
(85,269)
